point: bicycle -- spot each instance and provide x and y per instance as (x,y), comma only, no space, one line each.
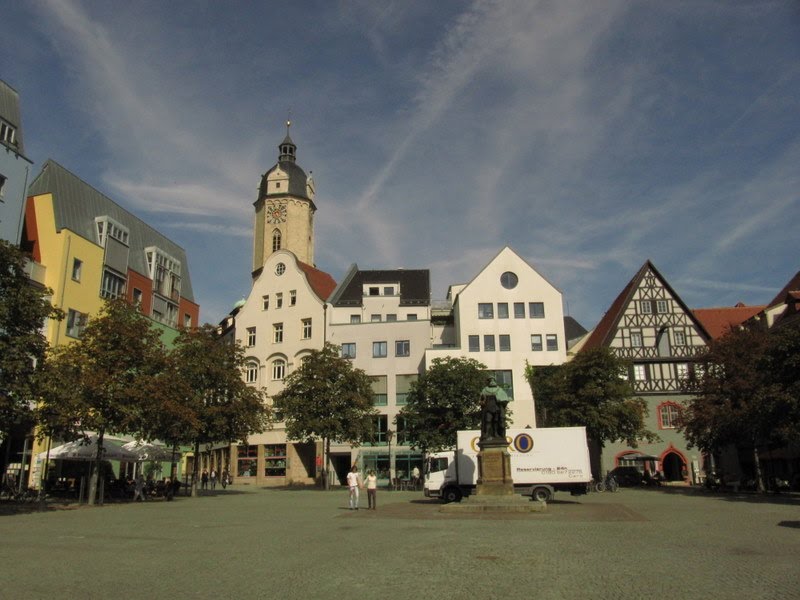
(608,484)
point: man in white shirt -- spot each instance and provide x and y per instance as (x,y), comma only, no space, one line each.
(353,483)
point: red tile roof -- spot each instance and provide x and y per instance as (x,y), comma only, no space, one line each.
(322,283)
(718,321)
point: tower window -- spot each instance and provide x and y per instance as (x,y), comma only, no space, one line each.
(276,240)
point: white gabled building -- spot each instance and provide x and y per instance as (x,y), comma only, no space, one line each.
(381,320)
(281,321)
(506,316)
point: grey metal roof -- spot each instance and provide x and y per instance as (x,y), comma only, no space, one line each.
(297,180)
(415,286)
(76,204)
(9,111)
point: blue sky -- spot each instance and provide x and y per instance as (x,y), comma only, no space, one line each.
(588,136)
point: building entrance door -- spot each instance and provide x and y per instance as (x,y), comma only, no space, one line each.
(674,467)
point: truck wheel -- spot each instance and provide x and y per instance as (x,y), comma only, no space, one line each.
(451,494)
(541,494)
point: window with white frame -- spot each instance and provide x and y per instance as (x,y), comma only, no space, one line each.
(646,307)
(682,371)
(474,343)
(485,310)
(519,310)
(279,300)
(77,266)
(349,350)
(251,337)
(536,342)
(379,349)
(662,306)
(536,310)
(276,240)
(402,348)
(375,318)
(113,285)
(265,302)
(277,333)
(251,373)
(278,369)
(552,341)
(679,337)
(165,271)
(639,373)
(292,297)
(8,133)
(355,319)
(668,415)
(306,328)
(636,339)
(106,227)
(76,323)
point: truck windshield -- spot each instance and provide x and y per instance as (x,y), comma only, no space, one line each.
(437,464)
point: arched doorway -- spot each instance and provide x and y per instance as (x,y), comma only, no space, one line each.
(673,466)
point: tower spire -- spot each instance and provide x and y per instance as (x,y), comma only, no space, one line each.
(287,146)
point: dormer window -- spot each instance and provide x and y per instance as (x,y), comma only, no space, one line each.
(106,227)
(165,271)
(8,133)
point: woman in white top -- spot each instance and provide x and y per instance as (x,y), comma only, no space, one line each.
(372,490)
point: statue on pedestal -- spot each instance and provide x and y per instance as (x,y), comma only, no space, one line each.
(493,412)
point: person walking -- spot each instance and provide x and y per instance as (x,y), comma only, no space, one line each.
(353,484)
(225,478)
(372,490)
(212,479)
(138,489)
(204,480)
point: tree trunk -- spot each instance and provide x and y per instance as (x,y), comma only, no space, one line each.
(759,474)
(95,472)
(327,458)
(196,464)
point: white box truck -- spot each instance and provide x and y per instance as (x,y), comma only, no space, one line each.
(543,461)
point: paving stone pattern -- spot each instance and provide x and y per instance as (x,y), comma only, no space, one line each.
(253,543)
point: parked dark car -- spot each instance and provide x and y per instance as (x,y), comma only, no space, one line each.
(627,476)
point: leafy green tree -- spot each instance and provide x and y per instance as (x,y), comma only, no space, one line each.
(588,391)
(444,400)
(327,398)
(745,393)
(100,383)
(211,399)
(23,309)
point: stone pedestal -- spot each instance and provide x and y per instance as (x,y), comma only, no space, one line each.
(494,470)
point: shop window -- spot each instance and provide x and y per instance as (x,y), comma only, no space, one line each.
(246,461)
(275,460)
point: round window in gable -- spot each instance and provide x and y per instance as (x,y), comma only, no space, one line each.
(280,269)
(508,280)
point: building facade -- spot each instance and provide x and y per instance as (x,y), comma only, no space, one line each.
(649,325)
(507,316)
(381,321)
(15,168)
(86,248)
(280,322)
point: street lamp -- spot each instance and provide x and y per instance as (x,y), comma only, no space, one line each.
(389,436)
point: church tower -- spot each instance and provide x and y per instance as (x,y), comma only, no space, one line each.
(285,209)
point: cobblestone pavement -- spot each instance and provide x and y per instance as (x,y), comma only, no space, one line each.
(254,543)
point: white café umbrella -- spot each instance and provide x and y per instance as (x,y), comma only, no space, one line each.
(86,449)
(146,451)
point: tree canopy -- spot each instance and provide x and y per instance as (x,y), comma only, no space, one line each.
(211,400)
(745,392)
(444,400)
(588,391)
(24,306)
(100,382)
(327,398)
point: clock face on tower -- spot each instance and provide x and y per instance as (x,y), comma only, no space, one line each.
(276,214)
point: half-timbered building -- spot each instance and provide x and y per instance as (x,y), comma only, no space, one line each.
(650,325)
